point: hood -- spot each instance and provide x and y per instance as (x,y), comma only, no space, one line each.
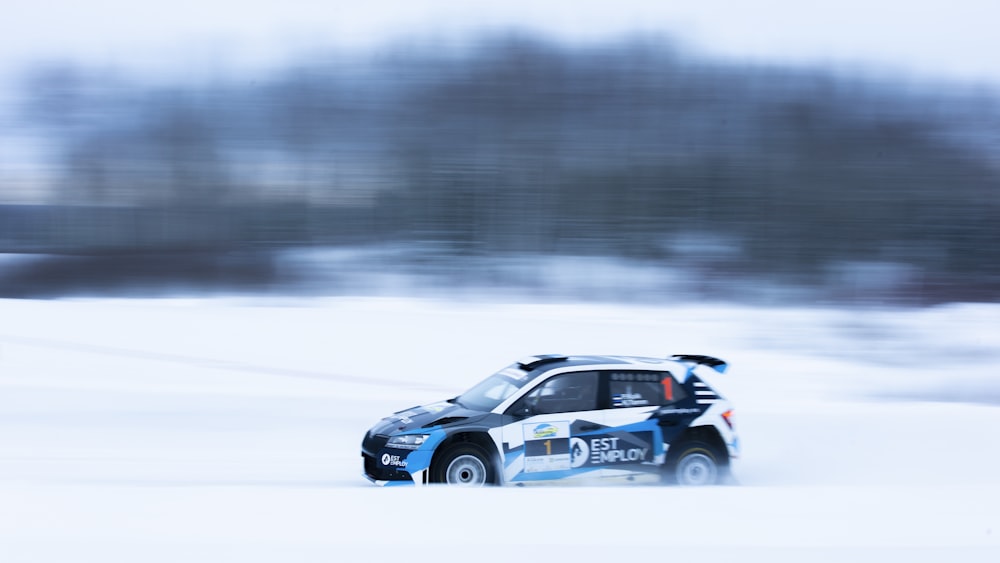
(425,417)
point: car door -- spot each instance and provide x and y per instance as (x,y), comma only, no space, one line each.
(538,440)
(632,442)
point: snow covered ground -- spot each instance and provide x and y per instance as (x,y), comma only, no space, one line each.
(205,430)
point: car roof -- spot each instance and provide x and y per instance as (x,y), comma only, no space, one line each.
(679,365)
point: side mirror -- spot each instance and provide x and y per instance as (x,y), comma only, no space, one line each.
(523,410)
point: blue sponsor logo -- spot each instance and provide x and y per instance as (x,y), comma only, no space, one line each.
(545,431)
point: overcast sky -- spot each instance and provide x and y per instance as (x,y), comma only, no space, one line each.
(956,39)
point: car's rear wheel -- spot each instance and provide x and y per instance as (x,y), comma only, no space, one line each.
(466,465)
(694,464)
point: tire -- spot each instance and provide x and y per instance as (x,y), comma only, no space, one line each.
(695,464)
(466,465)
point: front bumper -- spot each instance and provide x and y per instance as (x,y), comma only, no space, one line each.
(390,466)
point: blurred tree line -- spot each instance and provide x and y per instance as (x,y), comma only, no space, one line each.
(515,144)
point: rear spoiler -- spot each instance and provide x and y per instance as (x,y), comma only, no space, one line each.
(714,363)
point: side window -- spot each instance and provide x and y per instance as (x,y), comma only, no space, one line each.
(643,389)
(567,392)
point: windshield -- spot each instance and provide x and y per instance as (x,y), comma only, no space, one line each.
(492,391)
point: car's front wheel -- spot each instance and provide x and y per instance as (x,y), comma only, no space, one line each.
(694,464)
(466,465)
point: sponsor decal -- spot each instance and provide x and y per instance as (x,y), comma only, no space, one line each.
(579,452)
(546,446)
(608,451)
(393,460)
(628,400)
(611,449)
(648,377)
(545,430)
(678,411)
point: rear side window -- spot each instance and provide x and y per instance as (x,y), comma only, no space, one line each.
(629,389)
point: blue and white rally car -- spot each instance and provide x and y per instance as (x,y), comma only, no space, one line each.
(557,417)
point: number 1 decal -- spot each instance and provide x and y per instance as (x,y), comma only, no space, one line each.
(668,388)
(546,446)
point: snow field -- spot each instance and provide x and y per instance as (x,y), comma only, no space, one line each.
(229,429)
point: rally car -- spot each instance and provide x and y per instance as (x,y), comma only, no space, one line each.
(573,418)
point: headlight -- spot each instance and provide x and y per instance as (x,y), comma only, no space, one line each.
(407,441)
